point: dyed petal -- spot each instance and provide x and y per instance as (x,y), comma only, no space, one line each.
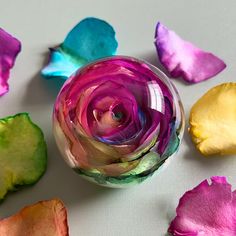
(181,58)
(61,65)
(9,48)
(43,218)
(20,166)
(212,121)
(89,40)
(208,209)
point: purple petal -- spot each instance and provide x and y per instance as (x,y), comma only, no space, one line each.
(181,58)
(9,48)
(208,209)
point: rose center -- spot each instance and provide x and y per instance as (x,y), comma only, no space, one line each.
(107,121)
(117,116)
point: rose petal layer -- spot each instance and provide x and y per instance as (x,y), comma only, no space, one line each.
(183,59)
(212,121)
(208,209)
(89,40)
(47,218)
(9,49)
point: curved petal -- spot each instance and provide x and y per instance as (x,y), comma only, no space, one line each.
(61,64)
(182,58)
(89,40)
(42,218)
(9,49)
(212,121)
(208,209)
(20,166)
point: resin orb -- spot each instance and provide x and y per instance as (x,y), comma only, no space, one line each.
(117,120)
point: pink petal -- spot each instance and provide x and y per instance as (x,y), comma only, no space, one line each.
(208,209)
(9,48)
(181,58)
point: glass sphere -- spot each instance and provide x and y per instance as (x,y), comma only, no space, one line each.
(118,120)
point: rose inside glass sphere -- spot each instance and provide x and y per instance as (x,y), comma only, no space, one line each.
(116,121)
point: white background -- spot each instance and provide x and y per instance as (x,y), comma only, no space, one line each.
(92,210)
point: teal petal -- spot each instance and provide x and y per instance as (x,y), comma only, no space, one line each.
(61,65)
(89,40)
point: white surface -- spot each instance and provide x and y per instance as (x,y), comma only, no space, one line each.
(92,210)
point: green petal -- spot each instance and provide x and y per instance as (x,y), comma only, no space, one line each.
(23,153)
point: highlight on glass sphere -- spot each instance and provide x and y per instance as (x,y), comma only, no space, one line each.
(118,120)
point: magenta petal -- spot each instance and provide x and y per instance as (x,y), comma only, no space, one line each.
(9,48)
(181,58)
(208,209)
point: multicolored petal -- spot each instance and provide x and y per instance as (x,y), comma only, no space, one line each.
(183,59)
(20,166)
(9,49)
(61,64)
(89,40)
(208,209)
(43,218)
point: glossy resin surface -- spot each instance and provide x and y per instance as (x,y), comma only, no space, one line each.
(117,121)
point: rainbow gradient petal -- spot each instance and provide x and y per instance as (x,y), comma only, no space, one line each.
(89,40)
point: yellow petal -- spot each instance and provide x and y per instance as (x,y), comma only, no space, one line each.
(213,121)
(45,218)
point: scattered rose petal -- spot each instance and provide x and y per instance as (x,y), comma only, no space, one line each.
(60,64)
(89,40)
(182,58)
(23,153)
(207,210)
(213,121)
(9,49)
(43,218)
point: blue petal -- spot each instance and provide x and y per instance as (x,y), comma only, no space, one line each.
(89,40)
(61,65)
